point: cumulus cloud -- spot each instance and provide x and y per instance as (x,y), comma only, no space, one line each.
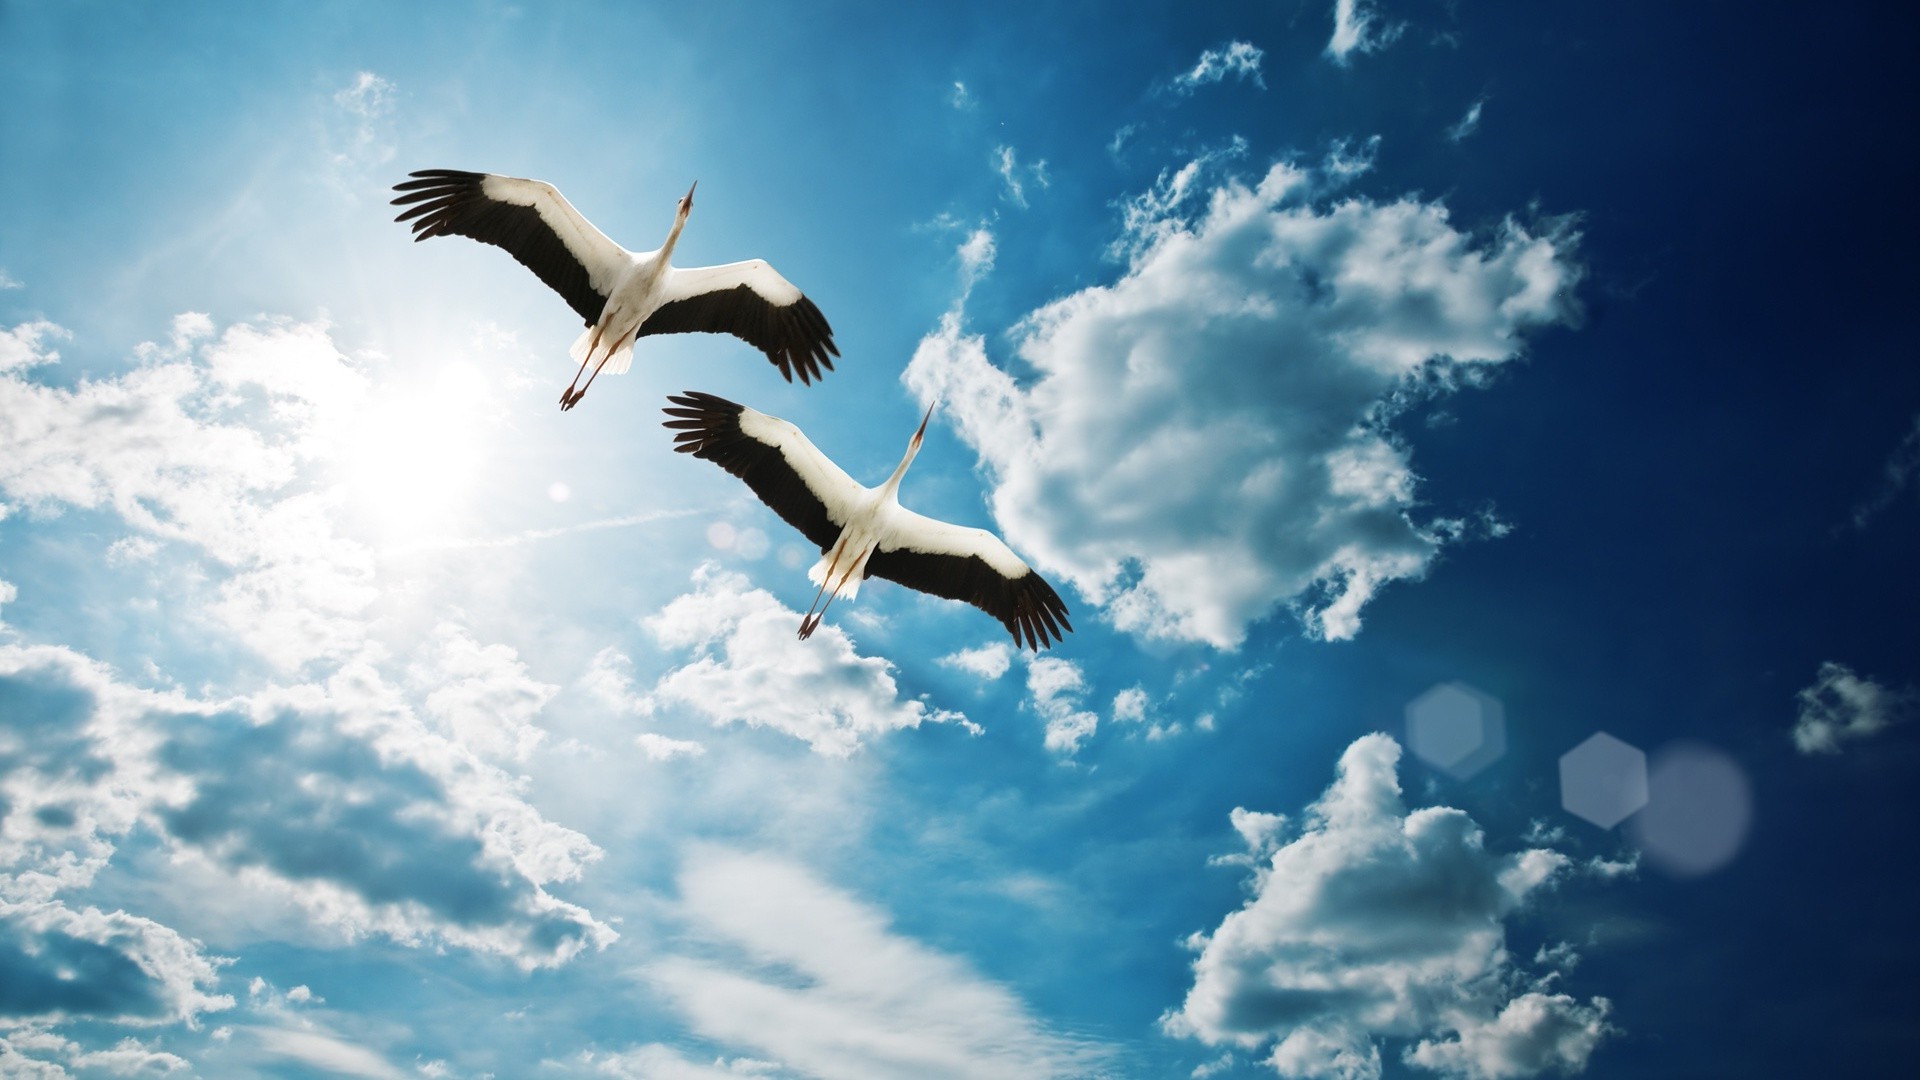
(822,985)
(128,1057)
(177,447)
(63,963)
(750,667)
(989,661)
(1377,922)
(1843,707)
(481,696)
(349,808)
(1357,28)
(1237,58)
(1057,687)
(1208,439)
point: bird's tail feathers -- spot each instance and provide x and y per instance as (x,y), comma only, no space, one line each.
(620,359)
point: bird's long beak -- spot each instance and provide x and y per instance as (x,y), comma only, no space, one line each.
(686,201)
(923,421)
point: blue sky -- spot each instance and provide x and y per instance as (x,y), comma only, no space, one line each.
(1357,371)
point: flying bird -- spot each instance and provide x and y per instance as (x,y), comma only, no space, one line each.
(622,295)
(863,531)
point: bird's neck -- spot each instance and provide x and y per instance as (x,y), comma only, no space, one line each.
(891,489)
(673,237)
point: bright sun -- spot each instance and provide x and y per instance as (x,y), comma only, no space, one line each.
(411,461)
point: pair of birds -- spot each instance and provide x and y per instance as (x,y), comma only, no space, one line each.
(624,295)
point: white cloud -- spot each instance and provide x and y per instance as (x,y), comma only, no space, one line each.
(989,661)
(481,696)
(1356,28)
(8,281)
(660,748)
(178,449)
(1016,176)
(823,986)
(325,1052)
(1130,705)
(349,810)
(64,962)
(362,131)
(657,1061)
(976,255)
(1208,438)
(1469,123)
(959,97)
(750,667)
(1533,1034)
(1377,922)
(1057,686)
(27,345)
(128,1057)
(1843,707)
(1238,58)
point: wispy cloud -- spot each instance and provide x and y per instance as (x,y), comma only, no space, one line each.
(1895,476)
(1016,176)
(960,97)
(826,988)
(1341,947)
(8,281)
(1843,707)
(1239,58)
(1166,464)
(361,132)
(1357,28)
(1469,123)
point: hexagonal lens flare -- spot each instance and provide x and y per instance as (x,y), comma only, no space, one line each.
(1457,729)
(1603,780)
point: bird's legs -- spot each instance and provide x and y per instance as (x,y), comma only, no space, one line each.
(811,621)
(565,404)
(567,397)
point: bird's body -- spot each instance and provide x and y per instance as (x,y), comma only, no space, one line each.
(621,295)
(863,531)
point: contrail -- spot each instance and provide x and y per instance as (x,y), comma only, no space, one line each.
(534,535)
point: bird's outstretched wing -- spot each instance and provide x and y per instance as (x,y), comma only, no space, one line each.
(788,472)
(754,303)
(531,220)
(975,566)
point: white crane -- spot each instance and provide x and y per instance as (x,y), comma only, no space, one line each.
(622,295)
(864,531)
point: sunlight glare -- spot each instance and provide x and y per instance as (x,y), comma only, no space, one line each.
(410,465)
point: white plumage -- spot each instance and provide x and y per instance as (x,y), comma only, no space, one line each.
(622,295)
(863,531)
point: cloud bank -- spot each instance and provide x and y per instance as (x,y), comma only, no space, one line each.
(1208,439)
(1376,922)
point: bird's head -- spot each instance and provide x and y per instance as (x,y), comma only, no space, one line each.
(686,201)
(920,433)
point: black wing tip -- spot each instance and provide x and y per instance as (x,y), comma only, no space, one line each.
(700,421)
(1040,615)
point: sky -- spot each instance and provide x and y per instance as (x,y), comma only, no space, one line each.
(1479,446)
